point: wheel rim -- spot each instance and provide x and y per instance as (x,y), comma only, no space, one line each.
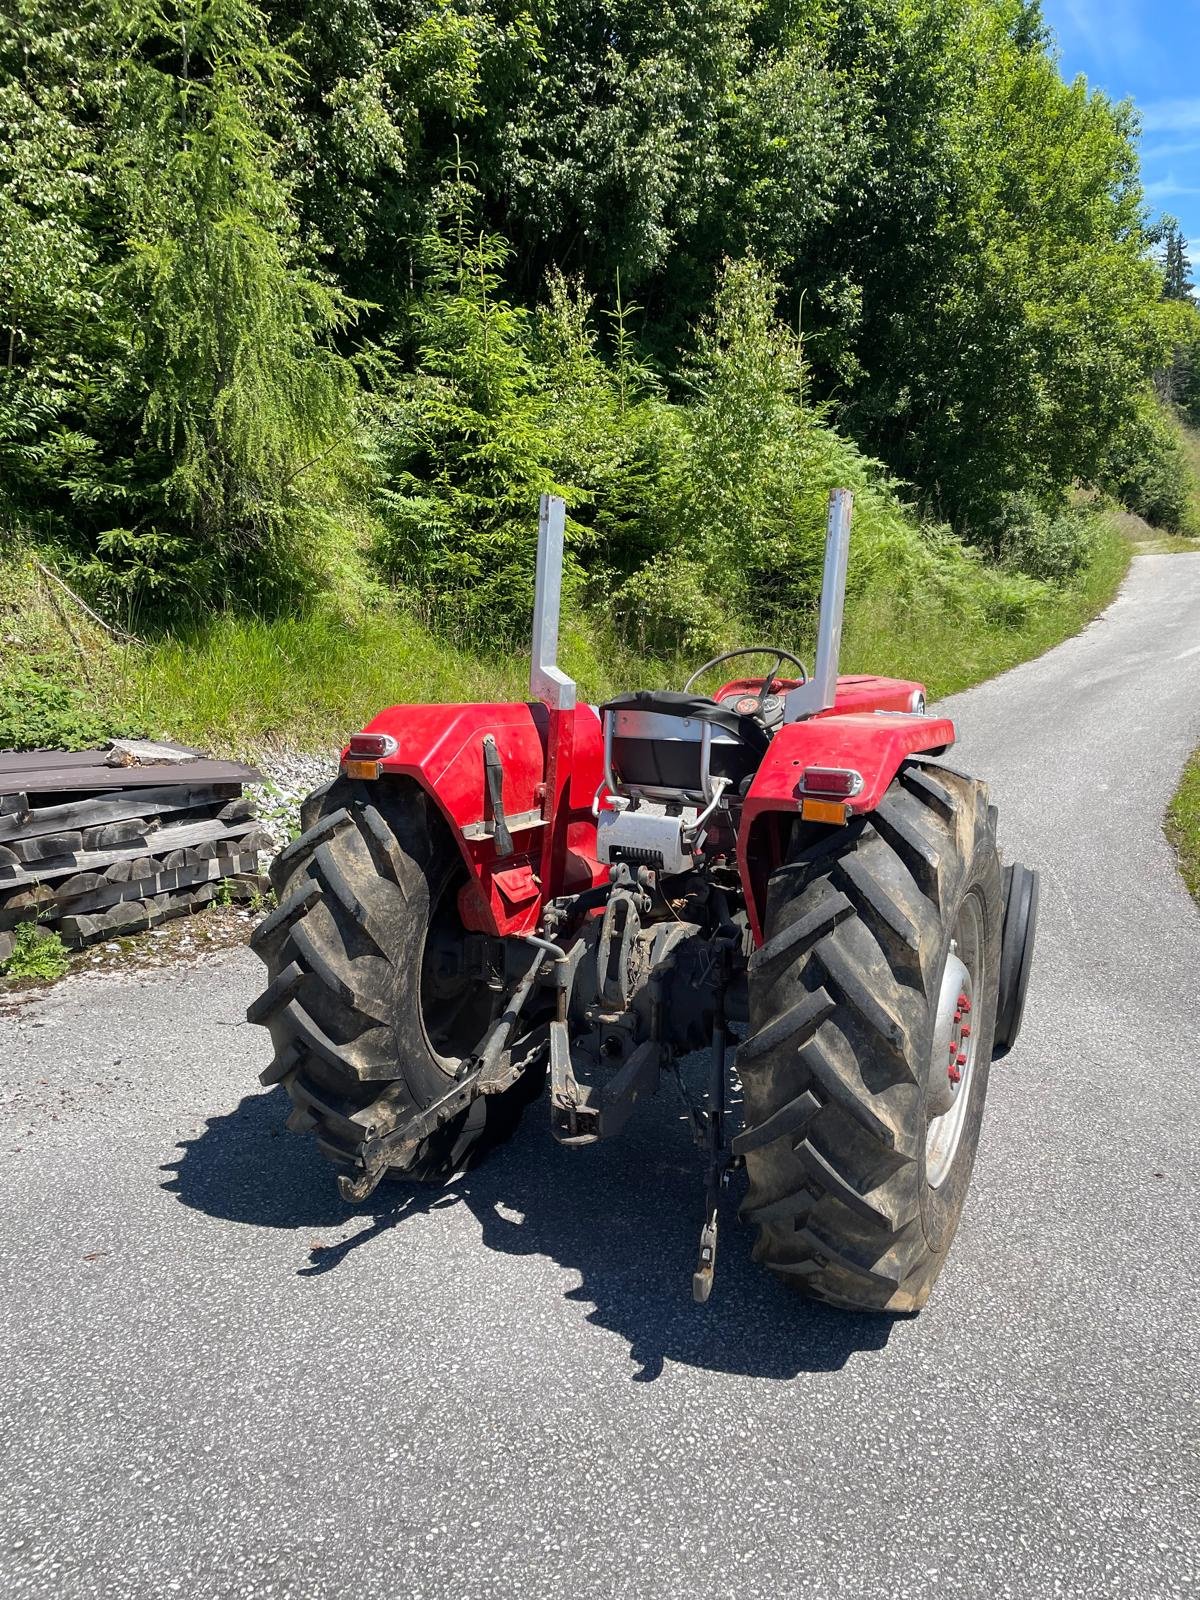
(456,1007)
(955,1045)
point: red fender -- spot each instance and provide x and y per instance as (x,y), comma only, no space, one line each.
(441,748)
(871,743)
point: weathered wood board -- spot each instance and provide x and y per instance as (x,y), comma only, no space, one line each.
(96,848)
(29,772)
(103,810)
(180,836)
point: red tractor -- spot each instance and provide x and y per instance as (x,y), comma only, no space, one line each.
(488,896)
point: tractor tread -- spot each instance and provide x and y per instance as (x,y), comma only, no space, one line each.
(820,1256)
(920,783)
(277,993)
(349,1046)
(830,1181)
(802,935)
(847,1095)
(341,984)
(306,843)
(855,988)
(804,1018)
(789,1122)
(875,902)
(284,1059)
(272,929)
(901,833)
(834,1138)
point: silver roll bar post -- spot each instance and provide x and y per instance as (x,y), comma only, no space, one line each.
(547,681)
(819,692)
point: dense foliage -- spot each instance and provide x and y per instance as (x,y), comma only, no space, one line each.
(304,290)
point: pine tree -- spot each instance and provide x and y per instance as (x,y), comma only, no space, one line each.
(1177,279)
(246,398)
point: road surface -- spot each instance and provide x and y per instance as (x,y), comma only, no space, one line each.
(505,1390)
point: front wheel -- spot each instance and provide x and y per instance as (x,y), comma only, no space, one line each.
(872,1010)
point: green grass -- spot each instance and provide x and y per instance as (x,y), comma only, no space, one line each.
(308,681)
(1183,824)
(951,642)
(239,684)
(37,953)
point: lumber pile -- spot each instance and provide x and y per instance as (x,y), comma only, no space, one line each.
(106,842)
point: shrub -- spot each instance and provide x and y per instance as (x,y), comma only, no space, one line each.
(37,953)
(1053,546)
(44,713)
(1147,469)
(663,609)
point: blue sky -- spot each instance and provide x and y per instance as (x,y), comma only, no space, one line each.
(1147,51)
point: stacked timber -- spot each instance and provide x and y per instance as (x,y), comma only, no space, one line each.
(105,842)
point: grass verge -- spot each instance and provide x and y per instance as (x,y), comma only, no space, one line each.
(934,642)
(237,684)
(309,681)
(1183,824)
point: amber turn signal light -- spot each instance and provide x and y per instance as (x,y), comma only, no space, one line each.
(824,811)
(361,769)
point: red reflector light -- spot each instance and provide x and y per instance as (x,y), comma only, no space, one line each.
(838,783)
(371,747)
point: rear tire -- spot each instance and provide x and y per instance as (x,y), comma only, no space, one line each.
(858,1146)
(359,1018)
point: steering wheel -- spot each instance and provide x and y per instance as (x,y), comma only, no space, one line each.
(751,705)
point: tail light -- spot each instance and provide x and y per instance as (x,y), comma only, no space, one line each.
(831,783)
(365,754)
(371,747)
(824,792)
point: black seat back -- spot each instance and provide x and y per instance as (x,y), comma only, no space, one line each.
(657,739)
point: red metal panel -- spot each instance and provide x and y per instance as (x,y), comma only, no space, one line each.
(865,692)
(855,692)
(871,745)
(441,748)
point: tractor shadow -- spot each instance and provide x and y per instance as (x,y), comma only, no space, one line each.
(624,1216)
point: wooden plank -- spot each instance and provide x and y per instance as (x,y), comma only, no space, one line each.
(13,805)
(130,868)
(54,772)
(32,760)
(165,839)
(15,761)
(81,883)
(44,846)
(130,830)
(86,894)
(135,916)
(103,809)
(97,780)
(27,904)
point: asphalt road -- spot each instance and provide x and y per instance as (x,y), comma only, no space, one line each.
(505,1390)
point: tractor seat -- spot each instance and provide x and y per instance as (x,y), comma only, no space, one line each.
(658,739)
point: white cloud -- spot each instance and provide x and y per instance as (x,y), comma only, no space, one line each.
(1112,30)
(1172,149)
(1171,116)
(1170,187)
